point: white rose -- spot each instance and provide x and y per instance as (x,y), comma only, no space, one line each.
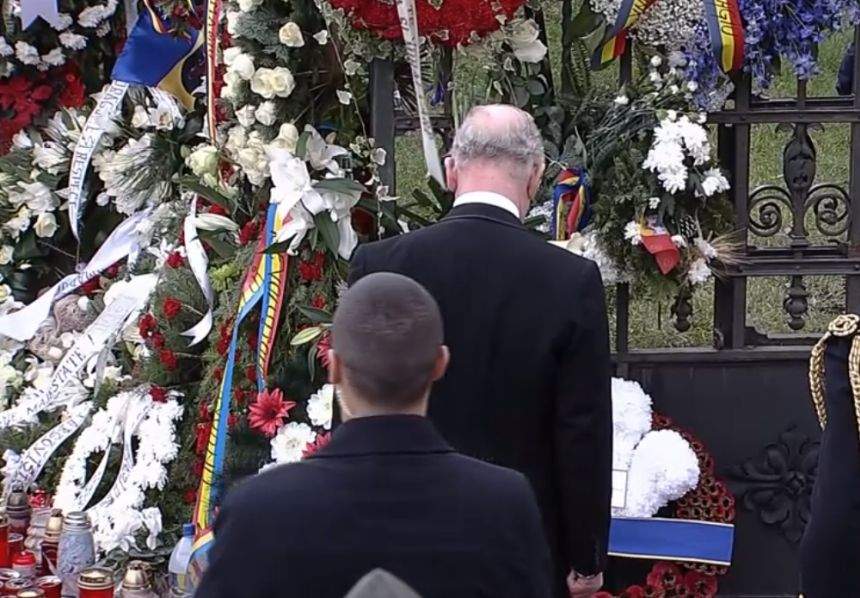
(232,80)
(290,35)
(249,5)
(321,37)
(232,20)
(46,225)
(6,254)
(282,81)
(245,115)
(261,83)
(265,113)
(523,37)
(203,160)
(243,65)
(39,197)
(289,133)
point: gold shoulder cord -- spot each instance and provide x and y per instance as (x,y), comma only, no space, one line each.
(842,326)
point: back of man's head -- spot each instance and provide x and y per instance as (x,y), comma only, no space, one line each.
(387,343)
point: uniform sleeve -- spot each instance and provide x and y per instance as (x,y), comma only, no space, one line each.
(583,431)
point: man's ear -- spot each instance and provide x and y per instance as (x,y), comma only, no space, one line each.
(535,180)
(450,173)
(335,368)
(441,364)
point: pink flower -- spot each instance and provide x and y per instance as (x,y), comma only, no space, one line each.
(268,411)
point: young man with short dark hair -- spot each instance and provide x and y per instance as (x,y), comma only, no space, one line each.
(387,492)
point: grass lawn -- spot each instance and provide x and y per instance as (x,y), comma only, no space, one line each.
(650,323)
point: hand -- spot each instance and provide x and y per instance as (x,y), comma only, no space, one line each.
(584,587)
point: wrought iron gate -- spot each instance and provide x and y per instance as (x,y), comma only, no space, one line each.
(746,397)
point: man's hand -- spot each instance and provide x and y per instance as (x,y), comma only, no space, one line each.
(584,587)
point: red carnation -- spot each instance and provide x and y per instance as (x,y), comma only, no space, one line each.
(252,341)
(633,592)
(175,259)
(197,468)
(218,374)
(319,442)
(319,301)
(267,413)
(223,346)
(216,209)
(146,325)
(312,270)
(190,496)
(203,411)
(700,585)
(168,359)
(158,394)
(665,575)
(171,307)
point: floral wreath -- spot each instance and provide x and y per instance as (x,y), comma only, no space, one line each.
(449,22)
(711,500)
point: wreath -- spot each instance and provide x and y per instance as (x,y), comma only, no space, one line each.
(449,22)
(711,500)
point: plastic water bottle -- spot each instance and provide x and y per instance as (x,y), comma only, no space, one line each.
(179,560)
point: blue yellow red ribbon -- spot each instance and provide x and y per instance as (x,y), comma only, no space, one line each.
(615,40)
(726,32)
(155,57)
(264,283)
(571,196)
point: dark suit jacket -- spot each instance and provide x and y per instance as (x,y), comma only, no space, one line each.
(387,492)
(845,77)
(529,382)
(830,551)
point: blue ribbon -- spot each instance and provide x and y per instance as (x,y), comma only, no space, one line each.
(672,540)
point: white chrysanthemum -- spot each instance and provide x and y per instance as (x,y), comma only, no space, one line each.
(714,182)
(64,21)
(54,58)
(633,232)
(5,49)
(290,442)
(321,407)
(631,420)
(26,53)
(669,24)
(663,468)
(699,271)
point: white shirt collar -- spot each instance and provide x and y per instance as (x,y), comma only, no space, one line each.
(489,198)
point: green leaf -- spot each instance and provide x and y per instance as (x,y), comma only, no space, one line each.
(312,361)
(302,145)
(585,22)
(192,184)
(306,336)
(535,87)
(340,186)
(317,316)
(275,248)
(328,231)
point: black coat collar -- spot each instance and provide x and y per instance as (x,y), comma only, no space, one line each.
(482,211)
(384,434)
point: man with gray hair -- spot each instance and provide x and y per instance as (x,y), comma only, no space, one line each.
(529,382)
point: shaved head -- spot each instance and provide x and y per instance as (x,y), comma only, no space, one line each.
(387,336)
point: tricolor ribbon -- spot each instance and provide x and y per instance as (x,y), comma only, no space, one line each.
(658,242)
(153,56)
(672,540)
(615,40)
(213,17)
(265,283)
(571,200)
(726,32)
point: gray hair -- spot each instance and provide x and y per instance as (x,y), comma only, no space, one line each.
(498,132)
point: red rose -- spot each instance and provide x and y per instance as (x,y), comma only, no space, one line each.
(190,496)
(168,359)
(175,259)
(216,209)
(248,232)
(158,394)
(171,307)
(319,301)
(157,340)
(146,325)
